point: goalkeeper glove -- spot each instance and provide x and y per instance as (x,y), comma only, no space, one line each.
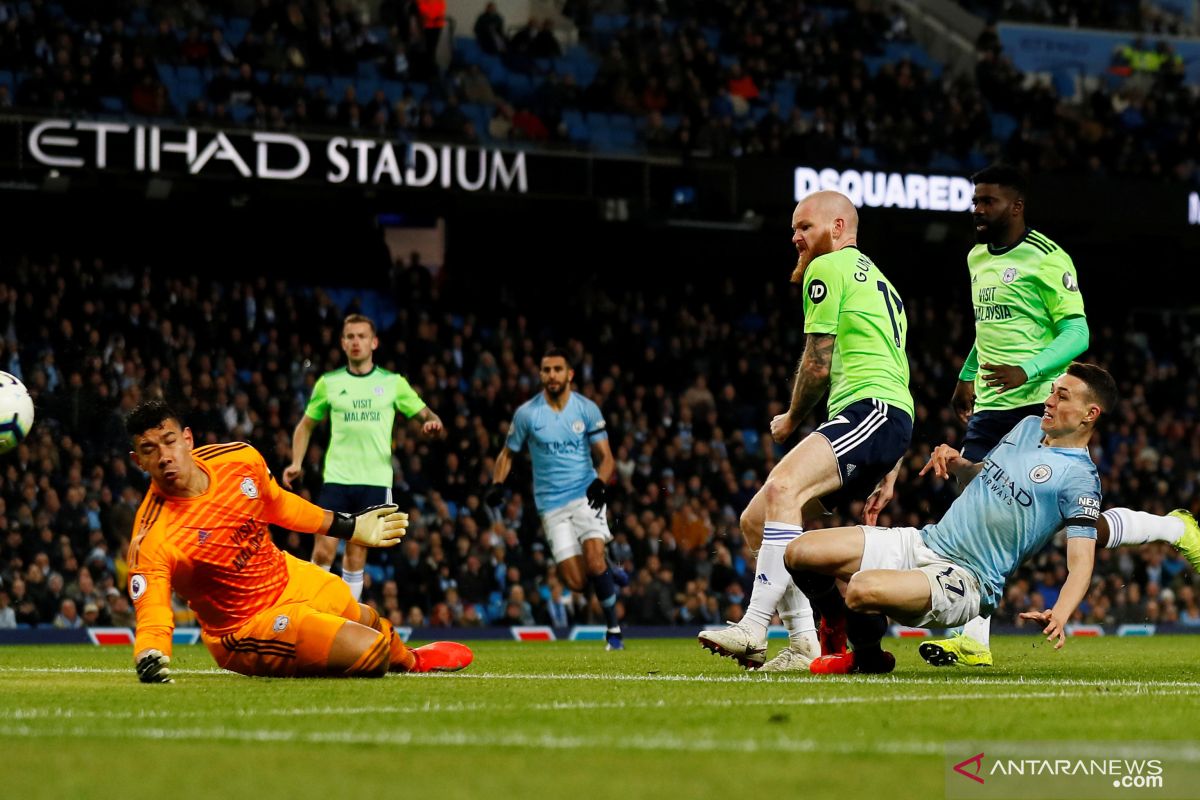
(597,494)
(154,667)
(377,526)
(493,495)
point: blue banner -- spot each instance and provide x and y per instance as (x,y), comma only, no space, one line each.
(1066,52)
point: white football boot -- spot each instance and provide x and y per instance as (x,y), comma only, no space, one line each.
(738,643)
(796,657)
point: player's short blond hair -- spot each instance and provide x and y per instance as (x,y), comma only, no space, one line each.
(357,318)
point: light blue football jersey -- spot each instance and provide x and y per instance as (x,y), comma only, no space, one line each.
(1025,493)
(560,445)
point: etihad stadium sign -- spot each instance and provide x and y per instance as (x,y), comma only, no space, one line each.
(888,189)
(273,156)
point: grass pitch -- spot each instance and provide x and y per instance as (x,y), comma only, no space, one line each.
(663,719)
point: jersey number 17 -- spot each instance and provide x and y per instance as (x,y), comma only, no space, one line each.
(894,306)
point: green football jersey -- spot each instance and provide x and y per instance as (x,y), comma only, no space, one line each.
(361,411)
(1019,294)
(845,294)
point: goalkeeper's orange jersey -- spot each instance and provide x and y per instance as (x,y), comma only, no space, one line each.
(214,550)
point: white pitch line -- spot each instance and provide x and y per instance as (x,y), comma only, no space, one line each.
(434,707)
(516,740)
(958,678)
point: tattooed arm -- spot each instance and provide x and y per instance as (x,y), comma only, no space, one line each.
(812,380)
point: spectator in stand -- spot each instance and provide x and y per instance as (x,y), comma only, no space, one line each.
(489,31)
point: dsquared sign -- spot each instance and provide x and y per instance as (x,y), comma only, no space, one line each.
(887,189)
(261,155)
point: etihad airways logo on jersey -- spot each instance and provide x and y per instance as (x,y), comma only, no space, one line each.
(88,144)
(887,189)
(1001,484)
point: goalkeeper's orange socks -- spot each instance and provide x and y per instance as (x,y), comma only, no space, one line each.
(403,659)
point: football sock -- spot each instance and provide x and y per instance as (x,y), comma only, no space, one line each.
(606,593)
(823,593)
(770,576)
(797,615)
(1127,527)
(619,575)
(979,629)
(354,579)
(326,567)
(373,658)
(865,630)
(372,617)
(402,658)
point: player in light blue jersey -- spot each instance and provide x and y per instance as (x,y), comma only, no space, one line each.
(1037,481)
(565,434)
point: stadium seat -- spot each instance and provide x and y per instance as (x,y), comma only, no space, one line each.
(112,105)
(1003,126)
(467,48)
(366,88)
(235,30)
(188,74)
(944,162)
(393,89)
(520,87)
(241,113)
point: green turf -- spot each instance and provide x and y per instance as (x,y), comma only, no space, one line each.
(663,719)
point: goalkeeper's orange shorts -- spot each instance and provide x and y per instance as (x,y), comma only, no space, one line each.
(293,637)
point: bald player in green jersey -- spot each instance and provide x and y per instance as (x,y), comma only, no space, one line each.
(1029,325)
(856,331)
(361,401)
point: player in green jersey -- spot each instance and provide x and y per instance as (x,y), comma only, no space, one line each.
(361,401)
(856,330)
(1029,324)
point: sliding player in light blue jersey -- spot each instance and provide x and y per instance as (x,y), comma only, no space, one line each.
(1039,479)
(1029,324)
(565,432)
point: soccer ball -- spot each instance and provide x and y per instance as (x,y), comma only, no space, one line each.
(16,412)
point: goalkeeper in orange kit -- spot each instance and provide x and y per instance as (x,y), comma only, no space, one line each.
(202,531)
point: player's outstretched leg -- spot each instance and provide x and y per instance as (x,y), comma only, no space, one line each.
(358,651)
(1121,527)
(435,657)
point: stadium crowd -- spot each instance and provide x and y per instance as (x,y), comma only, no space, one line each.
(719,79)
(687,382)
